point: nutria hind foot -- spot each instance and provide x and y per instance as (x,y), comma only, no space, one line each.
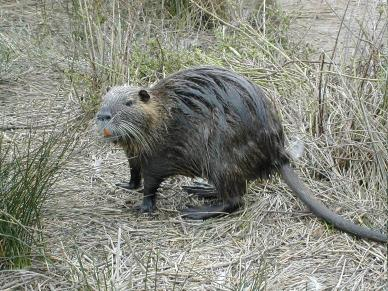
(209,211)
(202,190)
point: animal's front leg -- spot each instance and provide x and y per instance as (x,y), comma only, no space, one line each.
(135,180)
(151,185)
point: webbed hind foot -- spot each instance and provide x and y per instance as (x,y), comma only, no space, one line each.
(209,211)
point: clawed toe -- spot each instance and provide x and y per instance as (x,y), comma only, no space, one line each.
(124,185)
(128,186)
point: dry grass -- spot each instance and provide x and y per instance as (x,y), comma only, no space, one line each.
(92,240)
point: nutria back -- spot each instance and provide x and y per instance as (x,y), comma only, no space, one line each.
(220,118)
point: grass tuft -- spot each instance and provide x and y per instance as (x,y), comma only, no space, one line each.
(28,169)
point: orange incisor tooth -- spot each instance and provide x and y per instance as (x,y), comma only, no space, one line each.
(107,133)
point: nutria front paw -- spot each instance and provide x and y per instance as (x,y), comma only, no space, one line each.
(130,186)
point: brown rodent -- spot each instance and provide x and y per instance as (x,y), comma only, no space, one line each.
(205,122)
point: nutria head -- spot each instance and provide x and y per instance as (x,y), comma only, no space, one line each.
(129,116)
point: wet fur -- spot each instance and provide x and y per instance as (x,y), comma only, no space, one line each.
(221,127)
(207,122)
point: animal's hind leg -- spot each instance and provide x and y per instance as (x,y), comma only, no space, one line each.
(231,200)
(202,190)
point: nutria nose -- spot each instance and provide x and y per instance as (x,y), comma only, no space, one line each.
(104,116)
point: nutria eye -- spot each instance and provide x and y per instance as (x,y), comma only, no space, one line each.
(129,103)
(144,96)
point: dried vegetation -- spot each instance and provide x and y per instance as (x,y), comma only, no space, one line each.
(55,60)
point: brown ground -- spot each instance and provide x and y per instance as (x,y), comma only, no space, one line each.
(95,242)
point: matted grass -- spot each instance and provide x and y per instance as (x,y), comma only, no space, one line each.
(93,240)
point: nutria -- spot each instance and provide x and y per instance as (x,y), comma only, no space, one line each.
(205,122)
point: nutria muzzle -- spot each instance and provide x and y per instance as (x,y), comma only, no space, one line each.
(103,118)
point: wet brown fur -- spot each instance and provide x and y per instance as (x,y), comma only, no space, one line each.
(207,122)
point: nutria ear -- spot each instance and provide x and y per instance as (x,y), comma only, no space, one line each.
(144,96)
(107,89)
